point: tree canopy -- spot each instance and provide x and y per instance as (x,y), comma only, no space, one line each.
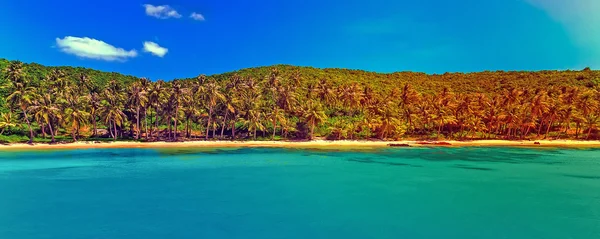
(289,102)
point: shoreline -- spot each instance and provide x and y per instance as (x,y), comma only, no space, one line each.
(307,144)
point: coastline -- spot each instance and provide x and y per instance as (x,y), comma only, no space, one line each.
(306,144)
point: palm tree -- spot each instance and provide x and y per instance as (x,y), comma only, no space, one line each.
(76,117)
(325,92)
(253,123)
(213,96)
(276,116)
(75,113)
(190,111)
(588,107)
(6,121)
(313,113)
(45,110)
(22,95)
(137,99)
(387,118)
(94,103)
(155,95)
(407,98)
(113,116)
(177,93)
(111,107)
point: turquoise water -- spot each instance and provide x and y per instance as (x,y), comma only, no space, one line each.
(283,193)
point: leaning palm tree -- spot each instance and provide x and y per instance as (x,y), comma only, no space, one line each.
(113,117)
(45,110)
(313,113)
(22,97)
(388,119)
(254,122)
(76,117)
(75,113)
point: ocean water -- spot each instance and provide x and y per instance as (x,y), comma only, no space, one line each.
(289,193)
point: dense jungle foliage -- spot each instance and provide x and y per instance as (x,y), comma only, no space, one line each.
(48,104)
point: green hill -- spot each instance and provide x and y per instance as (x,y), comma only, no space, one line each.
(298,102)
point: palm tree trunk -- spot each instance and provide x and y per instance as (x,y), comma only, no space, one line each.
(208,124)
(94,134)
(540,128)
(115,128)
(189,131)
(589,132)
(151,123)
(156,124)
(440,128)
(224,123)
(146,122)
(51,133)
(549,126)
(274,128)
(73,135)
(312,130)
(29,125)
(233,129)
(110,129)
(254,133)
(137,122)
(170,134)
(527,131)
(175,128)
(42,126)
(214,129)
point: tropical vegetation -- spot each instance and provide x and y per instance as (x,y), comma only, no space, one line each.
(49,104)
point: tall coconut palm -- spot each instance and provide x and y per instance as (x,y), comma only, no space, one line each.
(276,116)
(76,118)
(137,99)
(213,96)
(94,105)
(388,119)
(254,122)
(113,117)
(21,94)
(75,114)
(190,111)
(45,110)
(313,113)
(155,94)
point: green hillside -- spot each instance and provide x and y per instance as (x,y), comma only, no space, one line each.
(292,102)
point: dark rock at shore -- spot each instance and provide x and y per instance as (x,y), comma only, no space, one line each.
(435,143)
(399,145)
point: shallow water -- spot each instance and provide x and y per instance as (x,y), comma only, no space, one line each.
(287,193)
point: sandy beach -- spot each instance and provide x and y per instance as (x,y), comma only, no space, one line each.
(305,144)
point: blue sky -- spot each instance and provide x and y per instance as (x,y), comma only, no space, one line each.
(160,39)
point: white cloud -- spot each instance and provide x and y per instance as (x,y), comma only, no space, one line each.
(86,47)
(197,16)
(155,49)
(161,12)
(580,18)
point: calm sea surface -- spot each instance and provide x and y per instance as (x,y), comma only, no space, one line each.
(286,193)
